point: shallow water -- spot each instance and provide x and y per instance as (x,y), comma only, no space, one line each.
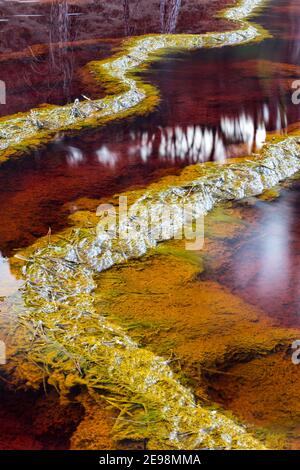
(215,104)
(264,265)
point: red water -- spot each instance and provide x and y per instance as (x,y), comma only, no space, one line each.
(215,104)
(26,23)
(264,260)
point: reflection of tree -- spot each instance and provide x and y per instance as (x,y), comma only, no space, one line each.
(126,17)
(162,14)
(61,57)
(169,12)
(236,134)
(293,45)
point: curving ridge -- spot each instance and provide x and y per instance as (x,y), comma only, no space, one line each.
(71,341)
(128,94)
(242,10)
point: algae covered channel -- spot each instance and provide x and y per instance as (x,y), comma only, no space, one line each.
(149,340)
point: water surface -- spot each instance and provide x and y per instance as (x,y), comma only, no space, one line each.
(215,104)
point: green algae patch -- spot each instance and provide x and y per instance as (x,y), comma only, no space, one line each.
(128,94)
(207,331)
(270,194)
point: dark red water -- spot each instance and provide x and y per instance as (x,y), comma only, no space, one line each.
(31,22)
(215,104)
(264,259)
(40,75)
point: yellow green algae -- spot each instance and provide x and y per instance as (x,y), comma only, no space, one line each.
(72,341)
(243,9)
(74,345)
(207,331)
(128,94)
(201,186)
(168,307)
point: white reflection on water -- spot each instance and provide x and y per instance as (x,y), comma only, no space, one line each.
(8,282)
(274,253)
(107,157)
(263,263)
(75,156)
(234,136)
